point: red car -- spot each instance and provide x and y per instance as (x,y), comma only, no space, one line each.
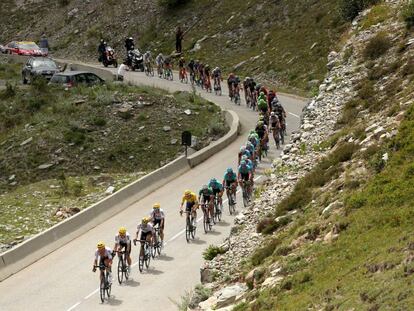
(25,48)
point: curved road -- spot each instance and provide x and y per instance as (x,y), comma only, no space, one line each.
(63,279)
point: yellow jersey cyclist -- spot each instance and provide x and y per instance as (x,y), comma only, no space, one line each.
(103,255)
(230,183)
(158,219)
(206,196)
(123,241)
(147,232)
(190,198)
(217,189)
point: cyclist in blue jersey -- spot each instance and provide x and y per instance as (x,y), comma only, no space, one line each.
(245,174)
(249,163)
(243,151)
(230,183)
(217,189)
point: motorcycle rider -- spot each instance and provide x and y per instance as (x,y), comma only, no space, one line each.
(101,50)
(129,44)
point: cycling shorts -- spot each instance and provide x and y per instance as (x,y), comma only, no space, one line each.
(245,176)
(158,222)
(189,206)
(230,182)
(144,235)
(216,190)
(125,245)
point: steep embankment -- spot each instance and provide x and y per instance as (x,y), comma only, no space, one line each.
(332,228)
(280,42)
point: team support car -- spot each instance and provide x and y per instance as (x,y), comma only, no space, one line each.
(75,78)
(25,48)
(39,67)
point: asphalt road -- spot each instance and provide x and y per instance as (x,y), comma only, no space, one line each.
(63,280)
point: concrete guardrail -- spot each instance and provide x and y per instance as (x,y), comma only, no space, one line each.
(53,238)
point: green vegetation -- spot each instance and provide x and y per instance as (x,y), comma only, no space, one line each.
(377,46)
(408,14)
(351,8)
(212,251)
(55,143)
(10,72)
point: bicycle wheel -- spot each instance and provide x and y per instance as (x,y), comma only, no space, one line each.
(205,222)
(245,198)
(188,229)
(126,271)
(148,256)
(230,201)
(141,262)
(102,286)
(193,228)
(121,266)
(151,71)
(108,287)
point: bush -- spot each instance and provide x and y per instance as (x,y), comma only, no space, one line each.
(262,253)
(212,251)
(408,14)
(171,4)
(350,9)
(200,294)
(269,225)
(377,46)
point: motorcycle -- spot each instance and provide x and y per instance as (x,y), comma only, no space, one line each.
(135,60)
(110,57)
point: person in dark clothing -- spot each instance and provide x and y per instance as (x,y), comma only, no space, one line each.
(101,50)
(44,44)
(129,44)
(178,40)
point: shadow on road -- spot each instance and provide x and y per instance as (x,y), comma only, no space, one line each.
(114,302)
(223,224)
(197,241)
(213,232)
(165,257)
(132,283)
(154,271)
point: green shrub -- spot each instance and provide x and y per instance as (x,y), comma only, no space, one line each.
(377,46)
(171,4)
(408,14)
(350,9)
(98,121)
(269,225)
(212,251)
(200,294)
(262,253)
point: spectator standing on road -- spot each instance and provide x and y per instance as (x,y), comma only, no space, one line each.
(44,44)
(178,40)
(101,50)
(121,71)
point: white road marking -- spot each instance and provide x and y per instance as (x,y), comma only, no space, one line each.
(295,115)
(74,306)
(165,243)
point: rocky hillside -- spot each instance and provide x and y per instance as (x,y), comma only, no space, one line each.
(280,42)
(332,228)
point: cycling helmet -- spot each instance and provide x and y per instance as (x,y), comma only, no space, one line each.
(243,163)
(156,205)
(145,220)
(260,123)
(207,66)
(242,148)
(261,117)
(229,170)
(181,58)
(252,132)
(122,230)
(204,187)
(213,180)
(272,113)
(101,245)
(187,193)
(244,157)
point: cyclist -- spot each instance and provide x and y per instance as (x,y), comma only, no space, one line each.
(243,152)
(159,60)
(230,81)
(123,241)
(181,65)
(104,255)
(281,113)
(245,175)
(261,130)
(216,73)
(167,63)
(147,60)
(147,232)
(230,183)
(158,218)
(249,163)
(207,75)
(191,205)
(217,189)
(262,105)
(236,87)
(206,196)
(191,69)
(274,124)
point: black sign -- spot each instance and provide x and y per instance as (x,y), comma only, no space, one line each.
(186,138)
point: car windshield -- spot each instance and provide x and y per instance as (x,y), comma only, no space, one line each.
(28,46)
(44,63)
